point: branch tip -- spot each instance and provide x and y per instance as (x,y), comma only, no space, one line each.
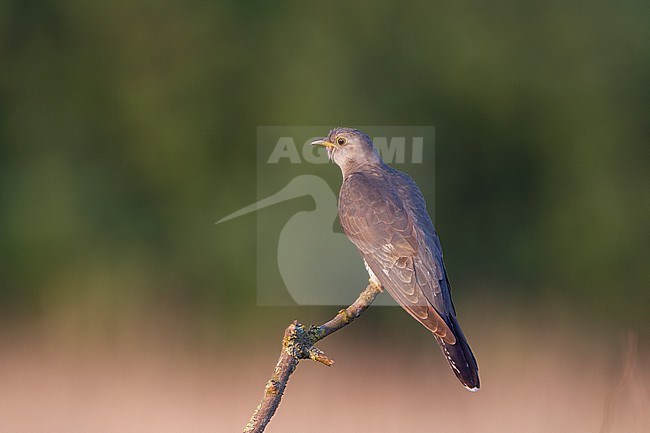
(318,355)
(298,343)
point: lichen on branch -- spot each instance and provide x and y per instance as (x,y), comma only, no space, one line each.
(297,344)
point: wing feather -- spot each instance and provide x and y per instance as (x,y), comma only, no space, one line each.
(389,235)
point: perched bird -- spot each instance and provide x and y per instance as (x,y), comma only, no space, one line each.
(383,213)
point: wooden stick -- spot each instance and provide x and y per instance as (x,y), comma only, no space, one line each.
(298,343)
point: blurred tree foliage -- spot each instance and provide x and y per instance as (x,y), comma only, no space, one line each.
(128,128)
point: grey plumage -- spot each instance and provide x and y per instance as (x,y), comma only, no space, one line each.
(383,212)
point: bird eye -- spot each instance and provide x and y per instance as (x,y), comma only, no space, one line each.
(341,141)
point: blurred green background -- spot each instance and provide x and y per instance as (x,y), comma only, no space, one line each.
(128,128)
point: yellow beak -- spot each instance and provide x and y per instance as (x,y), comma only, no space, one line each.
(322,142)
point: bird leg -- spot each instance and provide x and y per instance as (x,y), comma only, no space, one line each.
(373,280)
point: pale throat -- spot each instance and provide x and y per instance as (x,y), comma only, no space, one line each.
(365,163)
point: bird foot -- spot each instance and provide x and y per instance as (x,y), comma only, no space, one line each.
(374,283)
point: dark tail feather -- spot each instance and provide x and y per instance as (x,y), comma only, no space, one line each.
(461,359)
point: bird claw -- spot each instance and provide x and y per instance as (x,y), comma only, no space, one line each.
(374,284)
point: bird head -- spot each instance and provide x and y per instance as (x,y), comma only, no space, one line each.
(350,149)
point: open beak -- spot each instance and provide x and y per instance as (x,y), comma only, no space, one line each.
(323,142)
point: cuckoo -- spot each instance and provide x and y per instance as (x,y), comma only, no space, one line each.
(383,213)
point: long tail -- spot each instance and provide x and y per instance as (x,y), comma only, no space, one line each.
(461,359)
